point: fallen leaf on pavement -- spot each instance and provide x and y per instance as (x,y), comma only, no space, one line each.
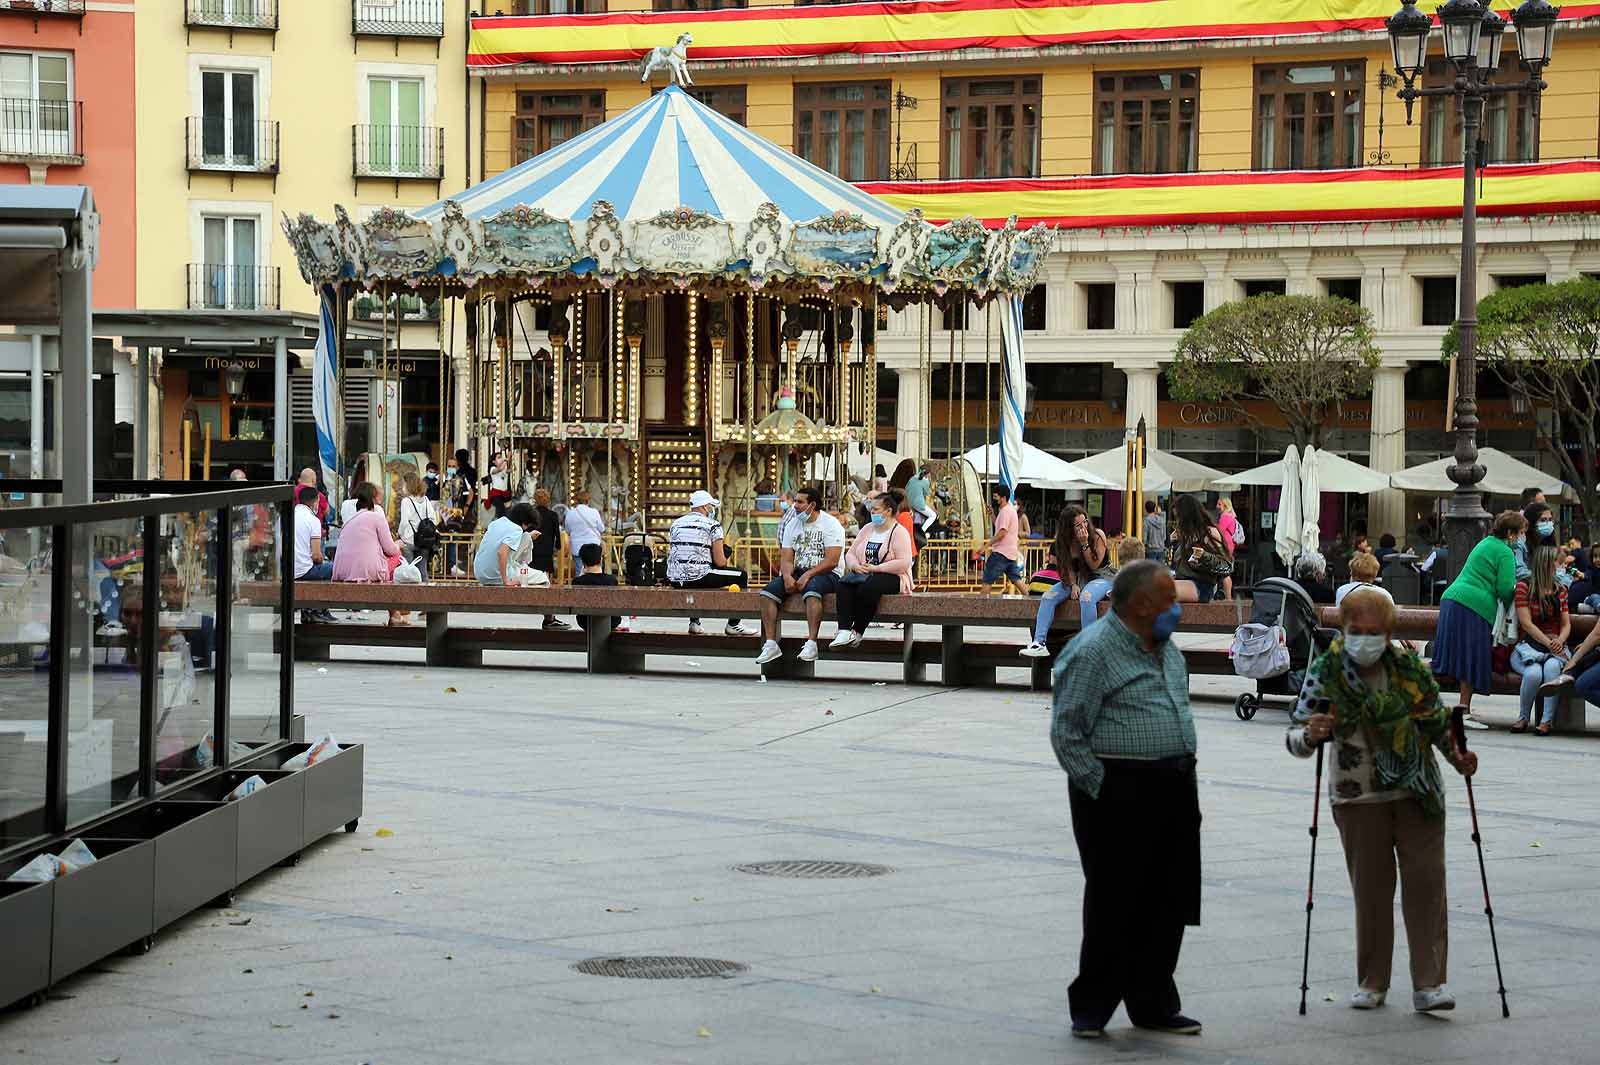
(241,923)
(876,989)
(322,669)
(1536,844)
(827,713)
(450,691)
(384,833)
(704,1032)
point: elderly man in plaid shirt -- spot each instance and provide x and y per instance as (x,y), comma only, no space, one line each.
(1122,730)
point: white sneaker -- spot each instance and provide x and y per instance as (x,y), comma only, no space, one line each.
(770,652)
(733,628)
(1367,1000)
(841,641)
(1035,650)
(696,629)
(808,651)
(457,571)
(1473,723)
(1432,1000)
(111,628)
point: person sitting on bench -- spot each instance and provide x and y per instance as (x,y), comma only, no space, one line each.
(593,576)
(811,565)
(696,558)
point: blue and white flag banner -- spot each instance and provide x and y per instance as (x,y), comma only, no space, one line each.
(1013,392)
(325,408)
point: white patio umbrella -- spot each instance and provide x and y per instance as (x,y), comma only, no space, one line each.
(858,464)
(1334,474)
(1037,468)
(1286,538)
(1503,476)
(1310,500)
(1164,472)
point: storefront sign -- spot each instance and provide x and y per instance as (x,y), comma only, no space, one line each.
(1352,414)
(1059,414)
(217,363)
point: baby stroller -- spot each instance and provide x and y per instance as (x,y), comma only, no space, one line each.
(1277,645)
(639,565)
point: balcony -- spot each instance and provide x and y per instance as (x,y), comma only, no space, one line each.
(399,153)
(41,131)
(403,307)
(397,18)
(215,144)
(42,8)
(226,287)
(231,14)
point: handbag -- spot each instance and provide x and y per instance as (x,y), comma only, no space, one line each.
(1259,652)
(1505,631)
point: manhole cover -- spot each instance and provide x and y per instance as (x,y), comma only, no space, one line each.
(650,967)
(814,870)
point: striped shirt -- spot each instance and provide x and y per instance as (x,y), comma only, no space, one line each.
(1545,620)
(1115,699)
(689,546)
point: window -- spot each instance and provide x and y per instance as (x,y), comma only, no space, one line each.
(551,7)
(991,127)
(1510,132)
(697,5)
(725,100)
(230,276)
(396,134)
(547,119)
(1188,302)
(1344,288)
(1033,310)
(1438,300)
(844,128)
(1100,306)
(228,126)
(1263,287)
(1146,123)
(955,315)
(1309,117)
(35,104)
(1503,281)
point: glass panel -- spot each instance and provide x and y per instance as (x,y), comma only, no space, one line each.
(991,88)
(25,625)
(253,657)
(244,119)
(1106,137)
(1433,147)
(1350,154)
(1133,136)
(855,123)
(978,120)
(1527,132)
(1496,128)
(215,239)
(1030,134)
(53,77)
(1161,135)
(1322,147)
(408,126)
(378,153)
(954,163)
(185,645)
(1295,130)
(802,137)
(103,687)
(1309,75)
(1267,132)
(1005,123)
(213,115)
(879,163)
(1186,134)
(830,141)
(1188,81)
(1146,83)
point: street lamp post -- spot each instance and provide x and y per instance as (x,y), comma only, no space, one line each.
(1471,32)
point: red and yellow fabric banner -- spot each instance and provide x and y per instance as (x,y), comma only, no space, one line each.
(909,26)
(1240,198)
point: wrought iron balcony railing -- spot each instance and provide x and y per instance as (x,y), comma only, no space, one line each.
(232,14)
(397,152)
(67,8)
(228,287)
(41,129)
(397,18)
(215,142)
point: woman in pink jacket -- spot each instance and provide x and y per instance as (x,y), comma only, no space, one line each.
(879,564)
(367,552)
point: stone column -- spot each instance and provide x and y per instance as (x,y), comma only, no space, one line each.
(1219,286)
(1057,295)
(1382,289)
(1386,510)
(1297,262)
(911,433)
(1135,277)
(1141,398)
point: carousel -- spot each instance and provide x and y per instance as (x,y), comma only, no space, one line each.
(664,303)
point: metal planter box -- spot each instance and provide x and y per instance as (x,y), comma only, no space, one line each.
(196,851)
(333,786)
(25,920)
(270,820)
(103,907)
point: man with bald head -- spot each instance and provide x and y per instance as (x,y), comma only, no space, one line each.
(308,477)
(1122,730)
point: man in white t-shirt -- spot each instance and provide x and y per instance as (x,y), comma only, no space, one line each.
(811,564)
(583,523)
(309,563)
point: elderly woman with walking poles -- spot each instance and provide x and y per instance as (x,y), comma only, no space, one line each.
(1379,706)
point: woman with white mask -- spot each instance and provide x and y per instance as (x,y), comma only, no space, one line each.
(1379,706)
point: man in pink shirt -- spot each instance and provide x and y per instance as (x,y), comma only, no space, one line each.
(1004,549)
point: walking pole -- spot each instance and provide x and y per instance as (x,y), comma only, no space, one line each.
(1311,879)
(1458,726)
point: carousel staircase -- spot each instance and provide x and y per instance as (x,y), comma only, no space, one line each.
(674,466)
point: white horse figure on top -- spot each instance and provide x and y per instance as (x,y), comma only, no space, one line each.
(673,60)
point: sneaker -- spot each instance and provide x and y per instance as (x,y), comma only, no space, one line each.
(457,571)
(1177,1024)
(1473,723)
(696,629)
(1367,1000)
(1086,1030)
(1432,1000)
(556,625)
(808,651)
(770,652)
(111,628)
(733,628)
(1035,650)
(841,641)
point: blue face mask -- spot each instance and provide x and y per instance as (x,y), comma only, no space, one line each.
(1166,623)
(784,504)
(878,519)
(1546,528)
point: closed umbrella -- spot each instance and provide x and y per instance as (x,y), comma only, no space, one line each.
(1310,500)
(1286,538)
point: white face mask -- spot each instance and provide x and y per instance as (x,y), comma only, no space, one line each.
(1365,650)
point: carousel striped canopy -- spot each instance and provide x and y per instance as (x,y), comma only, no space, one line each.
(670,151)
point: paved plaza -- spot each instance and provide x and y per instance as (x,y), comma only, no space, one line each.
(518,822)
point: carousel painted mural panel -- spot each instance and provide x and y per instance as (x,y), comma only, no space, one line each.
(838,245)
(398,245)
(523,239)
(954,252)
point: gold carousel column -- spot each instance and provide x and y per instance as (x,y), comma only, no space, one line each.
(655,362)
(558,346)
(691,363)
(635,322)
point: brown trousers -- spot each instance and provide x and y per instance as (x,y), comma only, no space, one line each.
(1374,834)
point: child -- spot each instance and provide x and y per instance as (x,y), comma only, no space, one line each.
(589,556)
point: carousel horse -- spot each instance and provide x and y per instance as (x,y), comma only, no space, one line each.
(673,60)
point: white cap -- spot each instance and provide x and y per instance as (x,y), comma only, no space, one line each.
(702,498)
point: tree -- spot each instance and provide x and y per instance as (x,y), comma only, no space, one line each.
(1543,341)
(1303,354)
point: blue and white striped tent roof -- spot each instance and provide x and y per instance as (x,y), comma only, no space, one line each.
(670,151)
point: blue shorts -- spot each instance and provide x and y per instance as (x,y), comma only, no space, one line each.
(996,565)
(820,585)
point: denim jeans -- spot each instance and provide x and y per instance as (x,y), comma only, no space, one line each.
(1534,672)
(1588,684)
(1047,611)
(1089,600)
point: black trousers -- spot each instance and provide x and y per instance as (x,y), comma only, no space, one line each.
(858,603)
(1139,843)
(717,578)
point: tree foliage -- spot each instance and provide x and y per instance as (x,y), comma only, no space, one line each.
(1303,354)
(1544,341)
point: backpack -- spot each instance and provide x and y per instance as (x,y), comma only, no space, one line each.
(1238,533)
(425,537)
